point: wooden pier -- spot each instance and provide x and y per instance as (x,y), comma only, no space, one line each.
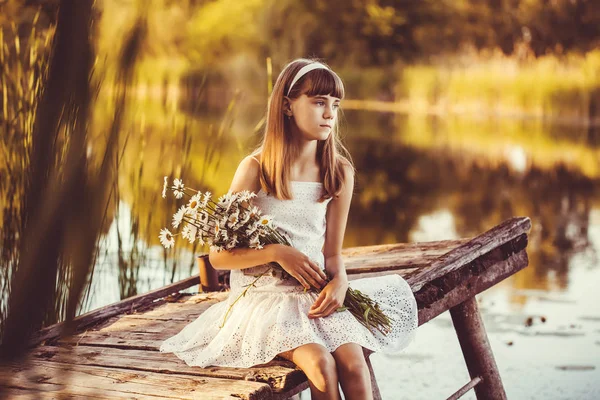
(114,351)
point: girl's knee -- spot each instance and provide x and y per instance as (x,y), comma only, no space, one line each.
(323,371)
(324,363)
(354,369)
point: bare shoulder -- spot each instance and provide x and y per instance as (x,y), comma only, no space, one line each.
(348,170)
(246,176)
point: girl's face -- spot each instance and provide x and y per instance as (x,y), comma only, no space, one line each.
(314,116)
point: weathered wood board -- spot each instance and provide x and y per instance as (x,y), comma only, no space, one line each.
(114,351)
(84,380)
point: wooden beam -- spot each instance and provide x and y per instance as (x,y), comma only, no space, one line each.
(482,244)
(463,390)
(477,351)
(430,306)
(124,306)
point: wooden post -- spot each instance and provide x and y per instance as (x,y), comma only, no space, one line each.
(209,278)
(477,351)
(374,386)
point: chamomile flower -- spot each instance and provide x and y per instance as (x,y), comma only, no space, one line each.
(223,201)
(254,212)
(178,188)
(232,243)
(265,220)
(205,200)
(166,238)
(194,203)
(216,248)
(165,187)
(233,219)
(189,232)
(244,217)
(178,217)
(255,242)
(252,228)
(246,195)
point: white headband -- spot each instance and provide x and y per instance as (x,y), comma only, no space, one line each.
(304,70)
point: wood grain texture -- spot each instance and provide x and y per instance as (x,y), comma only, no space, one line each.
(115,348)
(84,380)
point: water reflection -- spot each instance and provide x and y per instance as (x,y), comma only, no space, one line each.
(460,185)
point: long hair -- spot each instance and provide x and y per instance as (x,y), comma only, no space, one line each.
(276,149)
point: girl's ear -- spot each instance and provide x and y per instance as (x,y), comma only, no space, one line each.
(287,106)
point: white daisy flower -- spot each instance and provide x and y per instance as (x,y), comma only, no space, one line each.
(165,186)
(252,229)
(223,202)
(216,248)
(233,219)
(255,212)
(166,238)
(255,242)
(189,232)
(246,195)
(178,217)
(265,220)
(244,217)
(178,188)
(205,200)
(194,203)
(223,234)
(232,243)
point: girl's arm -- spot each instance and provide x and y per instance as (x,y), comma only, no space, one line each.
(332,296)
(337,216)
(245,178)
(243,257)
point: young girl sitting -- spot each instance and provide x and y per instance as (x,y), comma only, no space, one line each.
(301,179)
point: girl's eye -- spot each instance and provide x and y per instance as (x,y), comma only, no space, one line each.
(320,103)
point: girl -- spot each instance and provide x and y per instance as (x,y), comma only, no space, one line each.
(302,180)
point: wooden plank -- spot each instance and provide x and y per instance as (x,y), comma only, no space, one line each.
(397,256)
(281,375)
(110,382)
(464,389)
(359,260)
(121,339)
(430,306)
(64,394)
(482,244)
(425,248)
(123,306)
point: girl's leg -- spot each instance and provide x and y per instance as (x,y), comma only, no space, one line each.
(320,369)
(353,372)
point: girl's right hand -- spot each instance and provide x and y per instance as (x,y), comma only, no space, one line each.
(300,266)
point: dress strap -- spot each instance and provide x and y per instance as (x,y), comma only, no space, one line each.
(256,159)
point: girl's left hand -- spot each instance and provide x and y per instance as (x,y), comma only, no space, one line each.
(330,299)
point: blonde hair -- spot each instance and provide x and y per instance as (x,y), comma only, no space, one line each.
(276,152)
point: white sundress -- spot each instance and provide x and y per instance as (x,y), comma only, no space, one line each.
(273,316)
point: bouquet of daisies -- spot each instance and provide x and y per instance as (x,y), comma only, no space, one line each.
(232,221)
